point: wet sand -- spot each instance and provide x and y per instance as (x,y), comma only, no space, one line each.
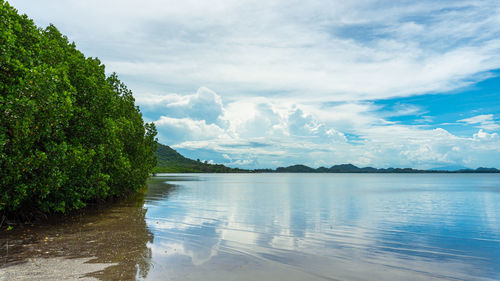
(49,269)
(108,243)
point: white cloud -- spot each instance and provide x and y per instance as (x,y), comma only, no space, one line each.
(319,50)
(255,118)
(304,125)
(265,133)
(482,135)
(298,77)
(203,105)
(174,130)
(484,121)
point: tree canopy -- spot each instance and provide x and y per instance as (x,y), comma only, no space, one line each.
(69,134)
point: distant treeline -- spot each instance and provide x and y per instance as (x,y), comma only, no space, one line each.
(170,161)
(349,168)
(69,134)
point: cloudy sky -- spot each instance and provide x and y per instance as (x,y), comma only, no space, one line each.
(271,83)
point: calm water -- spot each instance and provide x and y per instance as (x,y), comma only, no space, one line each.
(287,227)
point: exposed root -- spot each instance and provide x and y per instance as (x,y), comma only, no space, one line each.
(3,219)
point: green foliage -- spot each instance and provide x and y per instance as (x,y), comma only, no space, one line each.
(68,133)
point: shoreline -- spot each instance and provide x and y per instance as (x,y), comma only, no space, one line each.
(57,268)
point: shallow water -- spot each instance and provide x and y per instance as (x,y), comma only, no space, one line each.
(285,227)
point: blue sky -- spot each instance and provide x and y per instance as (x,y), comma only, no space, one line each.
(257,84)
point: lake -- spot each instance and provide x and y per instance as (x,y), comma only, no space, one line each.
(284,227)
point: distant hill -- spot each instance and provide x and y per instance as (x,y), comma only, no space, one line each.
(170,161)
(349,168)
(295,169)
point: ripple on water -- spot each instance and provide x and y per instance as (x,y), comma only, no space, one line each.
(285,227)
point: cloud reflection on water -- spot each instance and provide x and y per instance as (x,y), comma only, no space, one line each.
(326,226)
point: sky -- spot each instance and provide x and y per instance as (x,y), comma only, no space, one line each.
(262,84)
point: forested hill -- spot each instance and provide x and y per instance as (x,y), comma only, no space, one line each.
(170,161)
(349,168)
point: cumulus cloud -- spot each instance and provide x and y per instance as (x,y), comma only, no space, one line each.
(203,105)
(174,130)
(484,136)
(255,118)
(304,125)
(296,81)
(264,133)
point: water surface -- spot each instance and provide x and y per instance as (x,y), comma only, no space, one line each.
(287,227)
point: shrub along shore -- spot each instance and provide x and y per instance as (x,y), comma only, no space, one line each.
(69,134)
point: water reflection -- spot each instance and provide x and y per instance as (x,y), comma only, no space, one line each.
(117,235)
(327,227)
(287,227)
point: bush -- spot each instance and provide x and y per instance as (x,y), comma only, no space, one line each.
(68,134)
